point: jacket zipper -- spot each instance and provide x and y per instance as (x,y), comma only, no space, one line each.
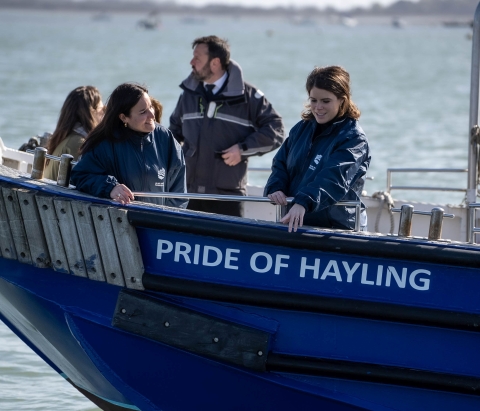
(144,173)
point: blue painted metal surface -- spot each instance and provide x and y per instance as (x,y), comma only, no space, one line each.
(311,272)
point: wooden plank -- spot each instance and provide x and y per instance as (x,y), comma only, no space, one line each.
(34,229)
(51,230)
(17,228)
(107,245)
(6,240)
(88,240)
(69,236)
(128,248)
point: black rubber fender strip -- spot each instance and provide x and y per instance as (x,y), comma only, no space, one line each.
(373,373)
(312,303)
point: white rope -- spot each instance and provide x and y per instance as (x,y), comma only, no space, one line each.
(388,201)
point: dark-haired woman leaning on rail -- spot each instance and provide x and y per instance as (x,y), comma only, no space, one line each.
(325,158)
(128,151)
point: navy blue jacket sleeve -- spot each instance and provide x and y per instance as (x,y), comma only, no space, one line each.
(280,178)
(90,176)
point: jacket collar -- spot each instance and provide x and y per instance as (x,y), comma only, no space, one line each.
(135,137)
(235,85)
(330,128)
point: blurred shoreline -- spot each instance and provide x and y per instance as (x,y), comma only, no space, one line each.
(453,13)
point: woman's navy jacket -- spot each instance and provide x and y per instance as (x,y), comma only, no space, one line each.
(321,172)
(150,162)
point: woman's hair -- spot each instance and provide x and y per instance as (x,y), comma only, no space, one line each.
(336,80)
(79,107)
(121,101)
(158,109)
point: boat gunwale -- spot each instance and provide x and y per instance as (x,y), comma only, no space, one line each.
(341,242)
(362,244)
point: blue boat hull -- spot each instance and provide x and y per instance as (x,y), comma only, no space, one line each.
(69,325)
(236,314)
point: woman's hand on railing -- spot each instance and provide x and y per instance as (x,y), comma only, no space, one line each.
(122,194)
(278,197)
(294,218)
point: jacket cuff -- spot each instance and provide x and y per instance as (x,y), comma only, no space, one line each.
(110,183)
(304,201)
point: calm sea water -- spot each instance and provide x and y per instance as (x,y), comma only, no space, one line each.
(411,84)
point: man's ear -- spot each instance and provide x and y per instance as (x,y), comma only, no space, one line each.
(215,65)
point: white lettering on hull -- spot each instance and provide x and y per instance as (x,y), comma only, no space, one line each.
(313,268)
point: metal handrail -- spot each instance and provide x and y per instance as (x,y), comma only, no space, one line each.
(429,213)
(472,230)
(390,171)
(253,199)
(217,197)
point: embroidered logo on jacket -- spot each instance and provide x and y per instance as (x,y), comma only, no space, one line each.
(161,174)
(316,160)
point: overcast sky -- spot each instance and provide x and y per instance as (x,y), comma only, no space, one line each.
(338,4)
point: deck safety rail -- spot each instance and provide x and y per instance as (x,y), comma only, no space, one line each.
(280,210)
(390,172)
(472,230)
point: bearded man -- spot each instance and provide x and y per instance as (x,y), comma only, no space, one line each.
(221,121)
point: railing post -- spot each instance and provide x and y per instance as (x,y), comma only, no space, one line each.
(63,178)
(280,210)
(471,224)
(436,222)
(405,224)
(358,210)
(38,165)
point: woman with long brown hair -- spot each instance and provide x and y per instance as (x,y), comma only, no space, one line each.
(129,151)
(325,158)
(80,113)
